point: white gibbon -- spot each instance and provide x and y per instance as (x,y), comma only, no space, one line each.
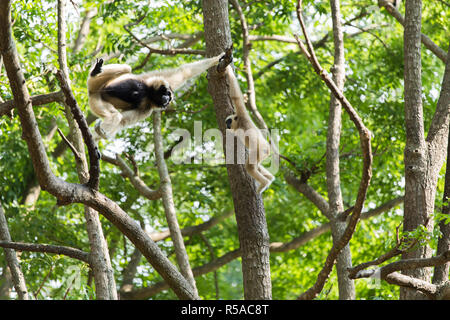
(243,127)
(121,98)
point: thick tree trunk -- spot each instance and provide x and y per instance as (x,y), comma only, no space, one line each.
(417,206)
(248,205)
(336,206)
(423,157)
(441,272)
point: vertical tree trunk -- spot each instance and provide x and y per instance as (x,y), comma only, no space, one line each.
(169,207)
(6,283)
(441,272)
(11,259)
(344,259)
(420,165)
(248,205)
(416,207)
(105,285)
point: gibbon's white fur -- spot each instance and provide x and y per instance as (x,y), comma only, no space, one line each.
(121,98)
(243,127)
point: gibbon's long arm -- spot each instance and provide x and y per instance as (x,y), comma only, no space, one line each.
(121,98)
(244,128)
(177,77)
(236,93)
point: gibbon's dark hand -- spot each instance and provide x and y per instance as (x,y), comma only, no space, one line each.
(98,67)
(226,59)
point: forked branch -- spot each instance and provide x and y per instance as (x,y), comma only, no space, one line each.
(365,138)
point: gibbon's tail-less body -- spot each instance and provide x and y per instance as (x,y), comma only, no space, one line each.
(243,127)
(121,98)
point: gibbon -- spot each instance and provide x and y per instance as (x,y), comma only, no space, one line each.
(395,3)
(243,127)
(121,98)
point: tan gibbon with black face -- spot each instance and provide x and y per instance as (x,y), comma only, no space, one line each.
(121,98)
(243,127)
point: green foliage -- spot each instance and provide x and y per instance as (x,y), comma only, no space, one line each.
(290,97)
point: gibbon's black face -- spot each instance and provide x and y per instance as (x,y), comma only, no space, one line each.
(161,96)
(229,121)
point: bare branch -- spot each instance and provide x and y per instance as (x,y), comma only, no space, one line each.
(439,127)
(310,193)
(69,192)
(94,155)
(413,283)
(427,42)
(170,52)
(84,29)
(192,230)
(389,274)
(314,233)
(75,152)
(169,207)
(272,38)
(11,259)
(7,106)
(248,67)
(135,180)
(47,248)
(365,137)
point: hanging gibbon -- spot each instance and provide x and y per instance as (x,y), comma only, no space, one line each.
(121,98)
(243,127)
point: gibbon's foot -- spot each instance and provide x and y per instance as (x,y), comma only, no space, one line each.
(98,67)
(226,59)
(98,129)
(262,188)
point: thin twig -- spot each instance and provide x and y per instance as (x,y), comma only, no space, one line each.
(427,42)
(74,150)
(94,155)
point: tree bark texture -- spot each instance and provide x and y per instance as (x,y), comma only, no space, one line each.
(105,285)
(169,207)
(336,205)
(17,277)
(423,158)
(69,192)
(248,205)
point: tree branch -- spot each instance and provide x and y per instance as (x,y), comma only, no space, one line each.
(365,137)
(135,180)
(275,247)
(69,192)
(12,261)
(169,207)
(192,230)
(7,106)
(310,193)
(94,155)
(427,42)
(248,67)
(47,248)
(389,274)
